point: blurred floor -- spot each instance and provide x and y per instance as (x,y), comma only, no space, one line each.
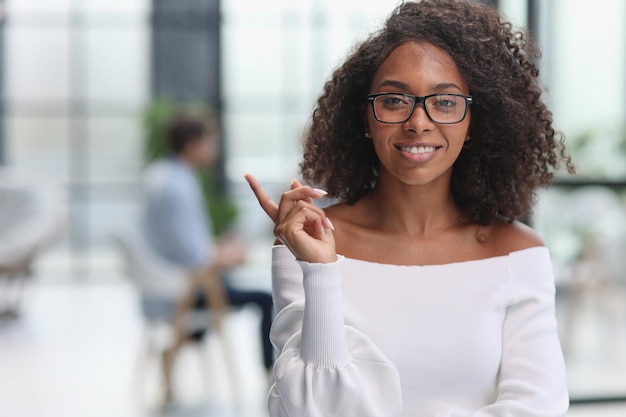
(77,351)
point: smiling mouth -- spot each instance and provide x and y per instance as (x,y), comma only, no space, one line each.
(418,149)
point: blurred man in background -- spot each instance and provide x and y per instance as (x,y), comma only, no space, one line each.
(176,225)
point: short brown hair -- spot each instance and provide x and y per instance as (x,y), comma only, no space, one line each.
(185,128)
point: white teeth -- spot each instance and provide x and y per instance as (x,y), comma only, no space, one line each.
(418,149)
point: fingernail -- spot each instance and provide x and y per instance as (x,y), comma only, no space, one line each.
(293,180)
(329,224)
(320,191)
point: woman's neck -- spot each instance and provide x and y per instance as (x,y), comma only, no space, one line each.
(420,211)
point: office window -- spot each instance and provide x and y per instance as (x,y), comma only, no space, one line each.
(76,77)
(583,219)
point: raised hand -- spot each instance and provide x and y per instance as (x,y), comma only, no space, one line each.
(298,223)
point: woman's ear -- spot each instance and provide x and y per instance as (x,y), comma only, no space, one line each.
(366,128)
(367,132)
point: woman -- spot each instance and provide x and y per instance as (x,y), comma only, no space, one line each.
(419,294)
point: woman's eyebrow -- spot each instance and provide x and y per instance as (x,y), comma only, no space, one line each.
(404,86)
(445,86)
(393,83)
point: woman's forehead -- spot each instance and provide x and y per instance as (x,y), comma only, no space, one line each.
(419,64)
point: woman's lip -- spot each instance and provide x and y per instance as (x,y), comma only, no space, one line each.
(415,149)
(421,153)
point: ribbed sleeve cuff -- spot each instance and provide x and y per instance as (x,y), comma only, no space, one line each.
(324,342)
(286,278)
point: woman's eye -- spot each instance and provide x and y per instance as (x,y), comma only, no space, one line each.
(445,103)
(395,101)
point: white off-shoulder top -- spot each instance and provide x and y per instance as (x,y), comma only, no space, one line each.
(475,338)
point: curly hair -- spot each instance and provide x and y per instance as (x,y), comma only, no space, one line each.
(514,148)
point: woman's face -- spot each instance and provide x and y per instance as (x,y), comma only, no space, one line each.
(417,151)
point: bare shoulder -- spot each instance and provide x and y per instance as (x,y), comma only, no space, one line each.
(510,237)
(342,213)
(351,227)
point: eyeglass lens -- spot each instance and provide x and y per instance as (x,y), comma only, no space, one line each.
(441,108)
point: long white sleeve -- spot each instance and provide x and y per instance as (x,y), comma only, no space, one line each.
(324,368)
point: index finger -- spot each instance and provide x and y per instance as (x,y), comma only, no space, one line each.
(266,202)
(296,184)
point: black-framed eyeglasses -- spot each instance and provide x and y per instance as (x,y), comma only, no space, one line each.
(441,108)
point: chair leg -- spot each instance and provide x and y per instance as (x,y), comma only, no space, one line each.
(204,362)
(168,358)
(147,352)
(231,362)
(143,354)
(11,296)
(180,336)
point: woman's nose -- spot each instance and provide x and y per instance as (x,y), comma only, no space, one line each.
(419,120)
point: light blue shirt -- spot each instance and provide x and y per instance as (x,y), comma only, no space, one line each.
(175,217)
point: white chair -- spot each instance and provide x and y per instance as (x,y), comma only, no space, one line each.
(156,279)
(32,214)
(160,286)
